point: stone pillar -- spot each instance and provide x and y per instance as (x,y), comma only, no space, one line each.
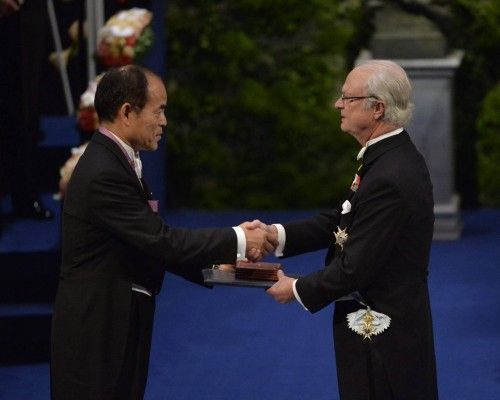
(417,45)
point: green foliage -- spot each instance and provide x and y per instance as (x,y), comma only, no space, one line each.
(144,43)
(251,85)
(488,126)
(480,20)
(477,31)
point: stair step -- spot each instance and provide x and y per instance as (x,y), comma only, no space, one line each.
(25,339)
(59,131)
(28,235)
(23,309)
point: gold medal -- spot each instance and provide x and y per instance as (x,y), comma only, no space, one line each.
(368,323)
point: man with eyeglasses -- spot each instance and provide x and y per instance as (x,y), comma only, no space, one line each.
(378,242)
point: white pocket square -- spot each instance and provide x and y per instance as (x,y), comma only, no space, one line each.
(346,207)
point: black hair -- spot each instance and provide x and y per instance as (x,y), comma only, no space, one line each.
(128,84)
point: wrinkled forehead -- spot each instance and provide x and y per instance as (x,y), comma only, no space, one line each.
(156,88)
(356,81)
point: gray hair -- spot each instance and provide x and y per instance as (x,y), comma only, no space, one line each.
(389,82)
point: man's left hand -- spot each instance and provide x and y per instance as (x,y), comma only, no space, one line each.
(282,291)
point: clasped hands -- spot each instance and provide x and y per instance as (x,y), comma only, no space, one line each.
(261,240)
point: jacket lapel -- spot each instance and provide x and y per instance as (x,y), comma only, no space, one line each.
(372,153)
(101,139)
(147,191)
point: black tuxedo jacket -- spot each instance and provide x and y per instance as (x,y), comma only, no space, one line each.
(385,258)
(110,239)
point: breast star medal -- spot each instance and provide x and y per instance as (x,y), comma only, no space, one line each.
(341,237)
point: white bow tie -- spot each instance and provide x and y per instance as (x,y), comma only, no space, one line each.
(137,165)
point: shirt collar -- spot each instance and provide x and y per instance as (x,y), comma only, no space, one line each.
(378,139)
(130,151)
(132,155)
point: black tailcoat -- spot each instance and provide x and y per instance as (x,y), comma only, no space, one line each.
(385,258)
(110,239)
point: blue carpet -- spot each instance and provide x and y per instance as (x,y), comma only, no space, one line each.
(236,343)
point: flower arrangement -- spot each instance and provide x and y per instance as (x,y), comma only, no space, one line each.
(67,169)
(125,37)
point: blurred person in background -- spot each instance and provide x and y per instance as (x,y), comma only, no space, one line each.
(23,28)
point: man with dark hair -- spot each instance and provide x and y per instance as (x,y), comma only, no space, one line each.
(378,241)
(115,248)
(121,85)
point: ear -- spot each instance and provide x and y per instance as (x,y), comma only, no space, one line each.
(124,113)
(379,110)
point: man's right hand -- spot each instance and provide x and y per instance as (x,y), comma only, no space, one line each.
(260,242)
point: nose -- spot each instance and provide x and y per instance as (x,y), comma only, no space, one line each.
(339,103)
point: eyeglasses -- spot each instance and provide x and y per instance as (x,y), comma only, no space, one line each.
(343,98)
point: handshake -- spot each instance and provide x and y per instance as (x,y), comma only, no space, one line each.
(261,239)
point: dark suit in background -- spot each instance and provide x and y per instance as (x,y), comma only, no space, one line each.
(23,55)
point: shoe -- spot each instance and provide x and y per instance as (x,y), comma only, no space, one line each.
(34,210)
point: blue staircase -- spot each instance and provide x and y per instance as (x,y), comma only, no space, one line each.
(30,256)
